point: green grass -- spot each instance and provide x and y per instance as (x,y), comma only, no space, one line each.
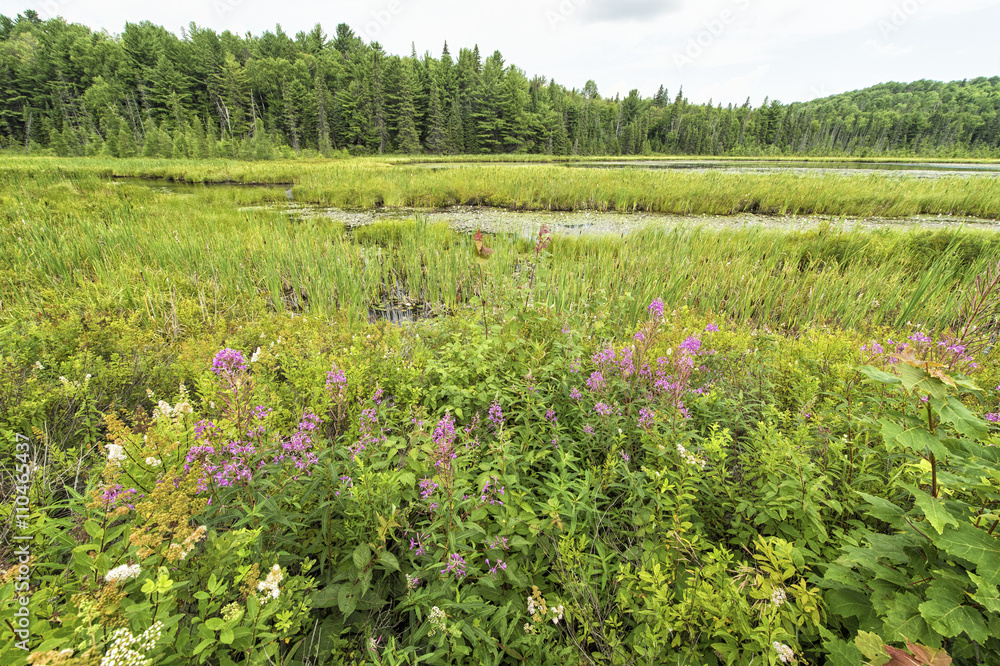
(88,242)
(394,182)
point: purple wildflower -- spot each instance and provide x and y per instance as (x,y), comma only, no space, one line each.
(655,309)
(417,544)
(711,328)
(456,565)
(589,429)
(500,564)
(602,409)
(691,345)
(993,417)
(335,379)
(444,438)
(645,418)
(228,362)
(596,381)
(640,336)
(496,414)
(427,487)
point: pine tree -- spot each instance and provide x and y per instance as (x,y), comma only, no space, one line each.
(437,140)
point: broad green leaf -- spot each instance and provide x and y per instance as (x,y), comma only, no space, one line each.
(913,377)
(362,556)
(965,422)
(986,594)
(872,647)
(848,603)
(920,439)
(947,615)
(882,508)
(975,545)
(214,623)
(389,561)
(935,512)
(326,597)
(878,375)
(841,653)
(903,619)
(346,600)
(226,636)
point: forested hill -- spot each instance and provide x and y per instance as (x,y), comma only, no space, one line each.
(71,91)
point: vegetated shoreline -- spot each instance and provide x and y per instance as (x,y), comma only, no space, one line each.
(371,184)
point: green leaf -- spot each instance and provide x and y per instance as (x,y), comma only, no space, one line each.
(919,439)
(215,623)
(975,545)
(986,594)
(362,556)
(946,614)
(933,509)
(93,528)
(346,600)
(965,422)
(903,619)
(877,375)
(326,597)
(226,636)
(849,603)
(914,377)
(389,561)
(872,647)
(882,508)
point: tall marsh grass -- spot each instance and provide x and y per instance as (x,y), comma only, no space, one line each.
(395,182)
(226,254)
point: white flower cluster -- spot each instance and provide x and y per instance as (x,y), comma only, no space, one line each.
(557,614)
(116,454)
(124,572)
(785,653)
(153,462)
(437,619)
(164,409)
(778,597)
(256,355)
(270,584)
(129,650)
(688,458)
(39,366)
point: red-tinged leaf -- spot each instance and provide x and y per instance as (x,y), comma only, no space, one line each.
(930,656)
(921,656)
(901,657)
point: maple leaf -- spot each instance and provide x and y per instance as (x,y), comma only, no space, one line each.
(933,368)
(922,656)
(481,249)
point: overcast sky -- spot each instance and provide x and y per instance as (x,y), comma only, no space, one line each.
(724,50)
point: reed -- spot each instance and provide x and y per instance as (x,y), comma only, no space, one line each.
(227,254)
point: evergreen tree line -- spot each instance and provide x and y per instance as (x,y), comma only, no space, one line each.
(72,91)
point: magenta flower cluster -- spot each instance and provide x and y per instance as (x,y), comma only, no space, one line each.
(228,362)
